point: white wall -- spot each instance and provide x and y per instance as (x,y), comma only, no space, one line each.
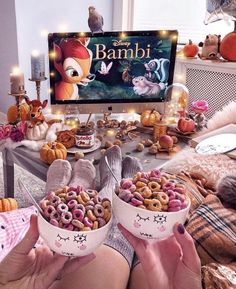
(8,50)
(33,16)
(21,24)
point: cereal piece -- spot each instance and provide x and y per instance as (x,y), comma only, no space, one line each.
(99,210)
(86,229)
(155,205)
(71,204)
(49,210)
(87,222)
(78,214)
(71,195)
(145,192)
(54,222)
(77,224)
(140,184)
(95,225)
(66,217)
(163,198)
(154,186)
(91,215)
(62,208)
(85,197)
(80,200)
(174,138)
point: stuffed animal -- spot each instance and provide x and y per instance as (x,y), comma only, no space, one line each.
(210,47)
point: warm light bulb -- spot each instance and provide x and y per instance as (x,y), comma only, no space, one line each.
(63,27)
(179,77)
(52,74)
(110,132)
(50,90)
(123,35)
(174,37)
(131,111)
(44,32)
(163,32)
(52,54)
(49,110)
(82,34)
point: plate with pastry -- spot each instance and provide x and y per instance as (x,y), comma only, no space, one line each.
(74,149)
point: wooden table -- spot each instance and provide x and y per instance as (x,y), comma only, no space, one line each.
(30,161)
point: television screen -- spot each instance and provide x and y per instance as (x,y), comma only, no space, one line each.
(111,67)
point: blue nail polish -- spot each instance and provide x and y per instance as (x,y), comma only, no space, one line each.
(181,229)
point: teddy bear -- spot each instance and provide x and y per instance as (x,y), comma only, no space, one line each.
(210,47)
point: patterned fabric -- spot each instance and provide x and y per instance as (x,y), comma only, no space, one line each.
(13,226)
(213,228)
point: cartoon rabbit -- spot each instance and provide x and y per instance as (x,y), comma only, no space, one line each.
(73,62)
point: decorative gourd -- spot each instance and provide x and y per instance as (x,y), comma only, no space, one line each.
(186,124)
(12,113)
(150,117)
(52,151)
(37,132)
(228,46)
(190,49)
(8,204)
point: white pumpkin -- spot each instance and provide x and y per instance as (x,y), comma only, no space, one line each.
(37,132)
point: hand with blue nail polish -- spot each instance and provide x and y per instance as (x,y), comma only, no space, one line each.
(172,263)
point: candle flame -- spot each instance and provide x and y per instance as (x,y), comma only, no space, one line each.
(35,53)
(16,70)
(131,111)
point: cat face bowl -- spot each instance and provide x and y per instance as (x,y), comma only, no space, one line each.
(74,221)
(149,204)
(71,243)
(146,224)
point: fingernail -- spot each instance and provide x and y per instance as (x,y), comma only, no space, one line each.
(181,229)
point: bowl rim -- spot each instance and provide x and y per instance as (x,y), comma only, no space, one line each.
(114,195)
(40,216)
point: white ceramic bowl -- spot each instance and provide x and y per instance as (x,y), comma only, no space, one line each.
(71,243)
(146,224)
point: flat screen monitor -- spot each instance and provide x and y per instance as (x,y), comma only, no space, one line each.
(111,71)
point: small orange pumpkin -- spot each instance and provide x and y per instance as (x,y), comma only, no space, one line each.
(228,46)
(8,204)
(12,113)
(150,117)
(190,49)
(52,151)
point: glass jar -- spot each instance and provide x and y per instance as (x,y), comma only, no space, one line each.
(85,137)
(72,116)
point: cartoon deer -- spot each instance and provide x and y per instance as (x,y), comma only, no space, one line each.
(73,62)
(36,116)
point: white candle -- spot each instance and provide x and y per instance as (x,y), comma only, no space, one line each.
(17,85)
(37,65)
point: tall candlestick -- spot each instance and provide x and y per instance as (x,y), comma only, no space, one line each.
(37,66)
(17,85)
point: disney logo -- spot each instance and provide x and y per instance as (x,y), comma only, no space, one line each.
(120,43)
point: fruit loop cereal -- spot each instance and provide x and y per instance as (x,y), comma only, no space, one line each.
(154,191)
(76,209)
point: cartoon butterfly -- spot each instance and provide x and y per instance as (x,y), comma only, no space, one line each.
(105,69)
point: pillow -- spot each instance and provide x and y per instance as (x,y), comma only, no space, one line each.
(213,229)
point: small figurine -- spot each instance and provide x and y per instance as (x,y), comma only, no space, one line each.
(210,47)
(95,20)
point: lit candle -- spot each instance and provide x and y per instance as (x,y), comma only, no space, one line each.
(17,81)
(37,66)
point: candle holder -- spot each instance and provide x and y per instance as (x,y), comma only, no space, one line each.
(38,85)
(19,97)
